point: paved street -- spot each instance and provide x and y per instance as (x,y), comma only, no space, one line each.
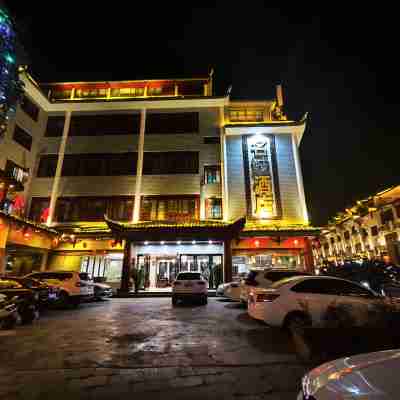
(124,347)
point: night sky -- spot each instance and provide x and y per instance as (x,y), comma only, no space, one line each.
(336,62)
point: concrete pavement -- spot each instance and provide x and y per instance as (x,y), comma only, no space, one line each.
(125,348)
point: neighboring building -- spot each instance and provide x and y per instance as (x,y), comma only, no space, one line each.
(174,169)
(370,228)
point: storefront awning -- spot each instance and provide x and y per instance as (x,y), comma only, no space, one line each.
(164,230)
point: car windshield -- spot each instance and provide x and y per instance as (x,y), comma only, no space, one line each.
(189,276)
(84,276)
(285,281)
(30,283)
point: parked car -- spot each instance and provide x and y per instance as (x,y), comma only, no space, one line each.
(27,300)
(220,292)
(365,376)
(48,294)
(305,300)
(74,287)
(190,285)
(233,291)
(264,278)
(8,312)
(101,290)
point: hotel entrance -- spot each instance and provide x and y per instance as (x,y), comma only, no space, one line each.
(158,271)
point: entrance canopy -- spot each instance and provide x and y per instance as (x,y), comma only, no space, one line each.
(163,230)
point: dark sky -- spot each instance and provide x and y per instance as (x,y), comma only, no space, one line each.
(336,62)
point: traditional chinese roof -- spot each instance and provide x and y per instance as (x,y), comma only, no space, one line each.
(164,230)
(85,229)
(257,229)
(27,223)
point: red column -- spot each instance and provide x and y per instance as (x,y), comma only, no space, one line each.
(227,261)
(126,268)
(308,256)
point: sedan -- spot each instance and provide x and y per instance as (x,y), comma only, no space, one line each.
(365,376)
(190,285)
(305,301)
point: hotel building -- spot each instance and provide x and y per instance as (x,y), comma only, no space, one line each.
(159,175)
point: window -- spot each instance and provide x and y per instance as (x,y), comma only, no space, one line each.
(111,164)
(173,162)
(330,287)
(90,92)
(104,124)
(387,215)
(127,92)
(22,137)
(61,94)
(214,208)
(61,276)
(13,170)
(211,140)
(169,208)
(275,276)
(30,108)
(374,231)
(73,209)
(154,91)
(172,123)
(189,276)
(212,174)
(246,115)
(55,126)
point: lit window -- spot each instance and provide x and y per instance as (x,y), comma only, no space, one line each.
(212,174)
(214,208)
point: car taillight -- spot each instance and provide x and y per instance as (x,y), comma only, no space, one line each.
(266,297)
(201,283)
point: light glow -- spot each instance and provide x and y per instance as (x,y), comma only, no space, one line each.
(178,242)
(162,242)
(193,242)
(146,242)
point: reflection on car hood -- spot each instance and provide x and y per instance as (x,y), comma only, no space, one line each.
(370,374)
(101,285)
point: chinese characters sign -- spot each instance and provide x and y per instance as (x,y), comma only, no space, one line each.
(261,190)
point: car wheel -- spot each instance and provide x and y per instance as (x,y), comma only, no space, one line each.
(8,323)
(297,323)
(64,298)
(28,315)
(174,301)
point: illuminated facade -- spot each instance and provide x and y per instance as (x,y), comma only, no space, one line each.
(220,179)
(369,229)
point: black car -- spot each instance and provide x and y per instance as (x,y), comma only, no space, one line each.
(47,294)
(27,302)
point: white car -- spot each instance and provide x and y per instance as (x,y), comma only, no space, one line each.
(74,287)
(190,285)
(365,376)
(305,301)
(264,278)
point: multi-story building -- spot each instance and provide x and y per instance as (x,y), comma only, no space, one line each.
(164,175)
(369,229)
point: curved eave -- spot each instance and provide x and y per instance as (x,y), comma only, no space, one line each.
(201,230)
(311,231)
(274,128)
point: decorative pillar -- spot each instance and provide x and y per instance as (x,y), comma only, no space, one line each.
(56,182)
(126,267)
(308,256)
(224,177)
(4,230)
(227,273)
(139,167)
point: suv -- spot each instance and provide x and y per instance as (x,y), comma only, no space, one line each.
(190,285)
(75,287)
(264,278)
